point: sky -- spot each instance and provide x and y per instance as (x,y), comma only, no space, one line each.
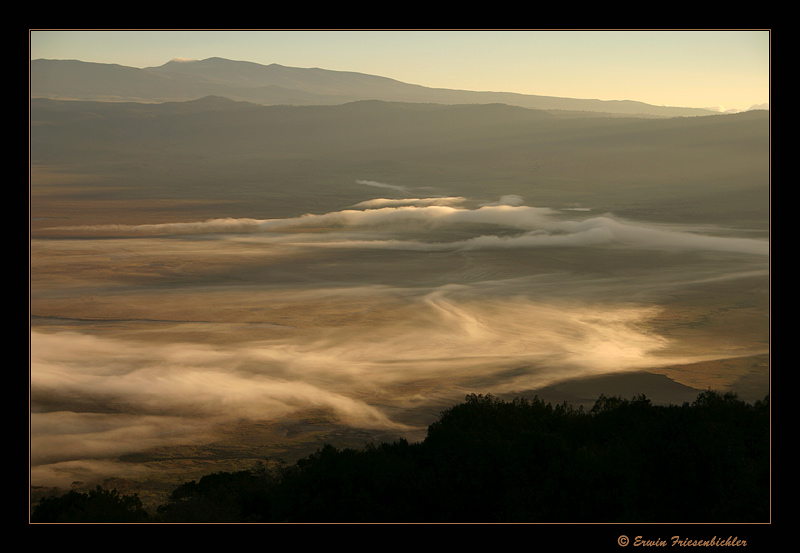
(722,69)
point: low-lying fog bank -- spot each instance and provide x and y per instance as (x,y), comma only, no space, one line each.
(378,314)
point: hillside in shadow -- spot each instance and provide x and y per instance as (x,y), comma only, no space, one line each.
(271,161)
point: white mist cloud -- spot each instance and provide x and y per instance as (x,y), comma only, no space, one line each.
(607,231)
(518,226)
(94,397)
(398,188)
(172,379)
(416,202)
(452,328)
(361,353)
(431,216)
(510,199)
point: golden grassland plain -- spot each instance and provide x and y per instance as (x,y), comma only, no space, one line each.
(194,313)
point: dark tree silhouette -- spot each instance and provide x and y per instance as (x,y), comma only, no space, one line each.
(243,496)
(98,505)
(489,460)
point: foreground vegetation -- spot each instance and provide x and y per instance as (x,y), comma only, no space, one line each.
(488,460)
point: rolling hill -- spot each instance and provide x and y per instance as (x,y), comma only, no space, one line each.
(712,168)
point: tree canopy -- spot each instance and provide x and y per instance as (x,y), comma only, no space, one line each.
(490,460)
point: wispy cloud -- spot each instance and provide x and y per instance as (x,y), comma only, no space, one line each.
(415,202)
(365,352)
(518,226)
(94,396)
(375,184)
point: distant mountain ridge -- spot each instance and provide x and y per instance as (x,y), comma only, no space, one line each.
(276,84)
